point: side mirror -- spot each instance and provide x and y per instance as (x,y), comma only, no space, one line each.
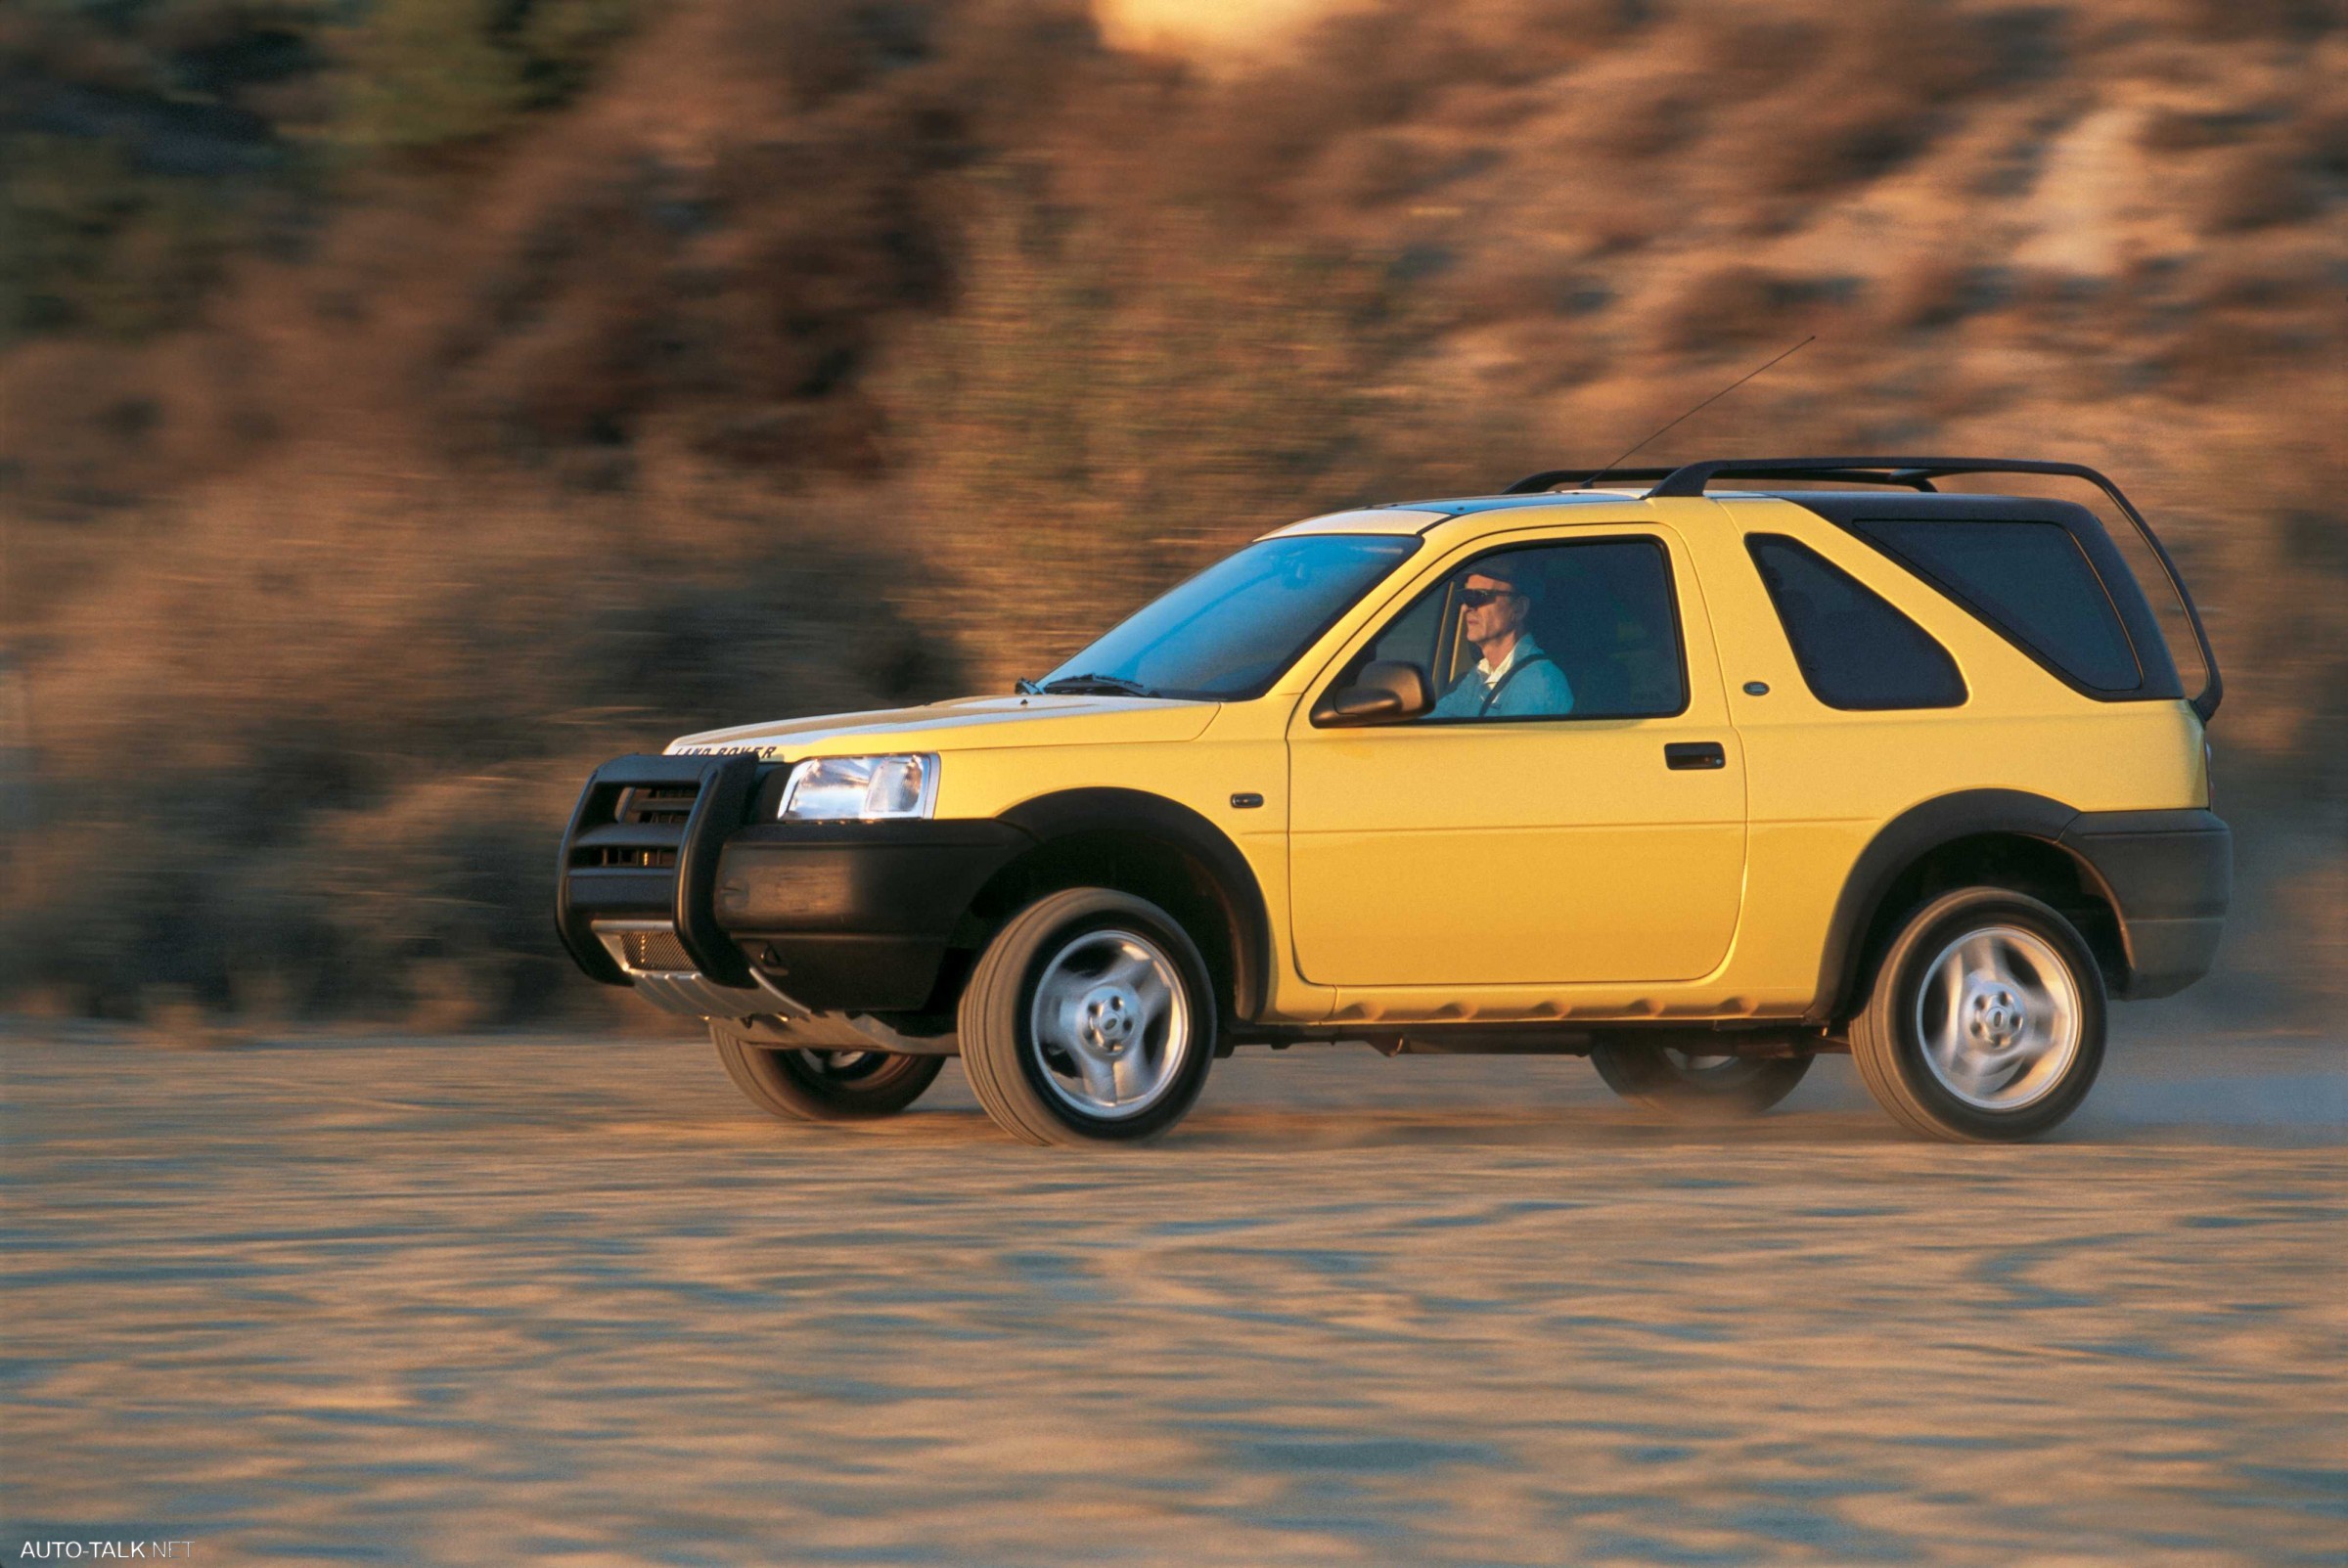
(1384,692)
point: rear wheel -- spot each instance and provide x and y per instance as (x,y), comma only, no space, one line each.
(1984,1022)
(1688,1086)
(1088,1019)
(822,1085)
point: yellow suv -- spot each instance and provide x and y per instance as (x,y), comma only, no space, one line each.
(1698,783)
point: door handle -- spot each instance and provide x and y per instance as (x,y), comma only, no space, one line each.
(1696,754)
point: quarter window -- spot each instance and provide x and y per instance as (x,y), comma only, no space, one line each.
(1855,650)
(2031,582)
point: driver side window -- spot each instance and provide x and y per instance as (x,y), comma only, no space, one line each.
(1581,630)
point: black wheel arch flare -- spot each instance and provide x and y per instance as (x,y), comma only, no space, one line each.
(1906,839)
(1111,814)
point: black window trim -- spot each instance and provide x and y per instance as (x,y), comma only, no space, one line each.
(1794,645)
(2157,677)
(1679,638)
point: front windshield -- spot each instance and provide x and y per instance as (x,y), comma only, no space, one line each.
(1227,634)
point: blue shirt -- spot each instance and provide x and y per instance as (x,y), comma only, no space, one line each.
(1531,687)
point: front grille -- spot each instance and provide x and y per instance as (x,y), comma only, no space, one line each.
(642,831)
(626,902)
(651,803)
(653,951)
(636,859)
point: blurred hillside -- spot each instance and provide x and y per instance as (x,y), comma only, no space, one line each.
(404,407)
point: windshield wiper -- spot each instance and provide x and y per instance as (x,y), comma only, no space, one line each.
(1023,687)
(1116,684)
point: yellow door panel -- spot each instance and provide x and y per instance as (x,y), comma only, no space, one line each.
(1516,855)
(1526,852)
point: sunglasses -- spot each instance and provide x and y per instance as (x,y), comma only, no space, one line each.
(1478,598)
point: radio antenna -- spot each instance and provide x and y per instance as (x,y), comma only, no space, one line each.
(1701,407)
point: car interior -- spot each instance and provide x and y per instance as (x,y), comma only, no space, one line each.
(1603,610)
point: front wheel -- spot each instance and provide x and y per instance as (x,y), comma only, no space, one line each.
(1985,1020)
(1688,1086)
(1088,1019)
(822,1085)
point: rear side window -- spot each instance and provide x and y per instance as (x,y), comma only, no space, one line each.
(2031,582)
(1856,650)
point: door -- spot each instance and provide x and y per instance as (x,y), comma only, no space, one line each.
(1572,811)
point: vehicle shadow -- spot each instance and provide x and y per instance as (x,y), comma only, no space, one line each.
(1273,1129)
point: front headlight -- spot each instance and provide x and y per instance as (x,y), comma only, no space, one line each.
(861,789)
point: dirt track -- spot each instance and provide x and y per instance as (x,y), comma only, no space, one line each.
(529,1298)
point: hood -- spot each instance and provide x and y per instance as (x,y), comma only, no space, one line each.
(966,724)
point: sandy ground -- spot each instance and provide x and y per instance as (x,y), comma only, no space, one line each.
(533,1298)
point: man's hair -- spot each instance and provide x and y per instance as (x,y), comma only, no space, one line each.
(1521,585)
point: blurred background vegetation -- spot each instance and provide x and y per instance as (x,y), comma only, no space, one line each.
(406,404)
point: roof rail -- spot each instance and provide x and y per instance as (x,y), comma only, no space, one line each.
(1915,474)
(1551,478)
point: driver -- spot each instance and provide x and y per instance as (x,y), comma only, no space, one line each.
(1514,678)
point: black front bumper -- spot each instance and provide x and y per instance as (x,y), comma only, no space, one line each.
(2170,874)
(855,917)
(847,916)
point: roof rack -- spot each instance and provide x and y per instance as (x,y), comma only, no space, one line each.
(1795,469)
(1551,478)
(1913,474)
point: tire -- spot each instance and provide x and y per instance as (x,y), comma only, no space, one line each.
(1089,1020)
(1984,1022)
(1690,1088)
(822,1085)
